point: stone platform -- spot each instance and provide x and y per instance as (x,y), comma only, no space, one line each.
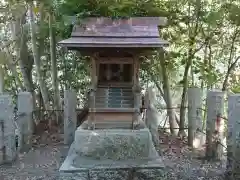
(112,154)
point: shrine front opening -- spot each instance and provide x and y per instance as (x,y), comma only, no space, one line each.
(115,73)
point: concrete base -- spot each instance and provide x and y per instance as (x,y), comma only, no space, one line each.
(114,153)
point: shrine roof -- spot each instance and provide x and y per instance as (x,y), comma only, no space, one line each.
(105,32)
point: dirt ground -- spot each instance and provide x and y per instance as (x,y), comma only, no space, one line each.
(44,159)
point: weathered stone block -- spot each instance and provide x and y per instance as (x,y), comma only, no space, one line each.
(25,102)
(113,144)
(25,120)
(215,107)
(111,153)
(10,148)
(195,138)
(233,140)
(8,134)
(1,141)
(70,116)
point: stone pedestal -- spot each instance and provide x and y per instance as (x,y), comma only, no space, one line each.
(233,139)
(70,116)
(215,107)
(195,137)
(25,120)
(111,151)
(6,116)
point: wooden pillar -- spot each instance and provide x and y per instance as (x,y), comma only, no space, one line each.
(97,67)
(93,71)
(108,72)
(121,71)
(91,121)
(136,93)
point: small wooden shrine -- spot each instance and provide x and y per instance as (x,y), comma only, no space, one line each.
(115,47)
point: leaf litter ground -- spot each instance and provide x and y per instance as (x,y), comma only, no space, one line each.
(44,159)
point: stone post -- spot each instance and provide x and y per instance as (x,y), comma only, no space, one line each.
(6,115)
(1,79)
(91,120)
(1,141)
(137,105)
(195,137)
(214,136)
(25,120)
(70,115)
(233,138)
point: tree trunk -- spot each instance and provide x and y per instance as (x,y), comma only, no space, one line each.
(164,98)
(205,62)
(191,52)
(229,71)
(12,66)
(25,63)
(166,90)
(231,66)
(56,93)
(184,93)
(37,58)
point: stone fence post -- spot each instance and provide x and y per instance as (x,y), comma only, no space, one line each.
(1,141)
(195,137)
(233,138)
(25,120)
(70,116)
(8,143)
(215,124)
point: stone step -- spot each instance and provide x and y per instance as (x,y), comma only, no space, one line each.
(108,91)
(114,94)
(114,98)
(114,102)
(117,101)
(109,109)
(114,105)
(113,124)
(115,88)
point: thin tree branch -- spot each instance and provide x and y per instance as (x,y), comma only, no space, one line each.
(229,71)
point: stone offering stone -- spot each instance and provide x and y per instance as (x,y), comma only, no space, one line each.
(112,154)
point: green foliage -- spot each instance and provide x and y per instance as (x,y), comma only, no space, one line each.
(236,89)
(233,12)
(111,8)
(209,23)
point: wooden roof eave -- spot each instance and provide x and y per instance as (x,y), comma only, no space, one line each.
(90,49)
(116,43)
